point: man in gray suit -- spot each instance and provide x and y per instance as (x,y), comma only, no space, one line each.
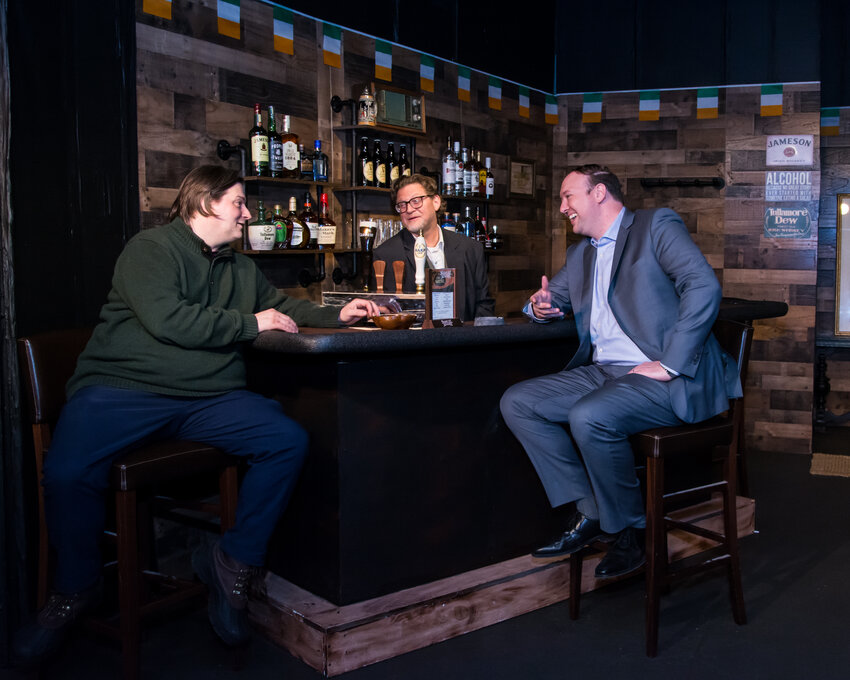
(644,301)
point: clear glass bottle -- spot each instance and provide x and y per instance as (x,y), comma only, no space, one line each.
(299,234)
(291,153)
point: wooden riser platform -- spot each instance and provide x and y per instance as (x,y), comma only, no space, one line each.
(336,640)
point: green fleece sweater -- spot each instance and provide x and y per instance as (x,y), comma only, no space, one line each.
(177,316)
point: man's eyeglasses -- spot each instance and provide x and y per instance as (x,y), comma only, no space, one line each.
(415,202)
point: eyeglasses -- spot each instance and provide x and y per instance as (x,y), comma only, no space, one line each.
(415,202)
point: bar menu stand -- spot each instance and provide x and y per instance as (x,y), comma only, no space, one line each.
(440,299)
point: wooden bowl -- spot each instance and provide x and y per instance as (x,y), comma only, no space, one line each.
(391,322)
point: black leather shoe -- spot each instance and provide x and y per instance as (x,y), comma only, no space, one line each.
(626,554)
(581,532)
(39,640)
(228,581)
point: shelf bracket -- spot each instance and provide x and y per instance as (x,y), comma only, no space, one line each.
(225,150)
(306,277)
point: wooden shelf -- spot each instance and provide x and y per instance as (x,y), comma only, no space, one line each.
(286,181)
(295,251)
(395,131)
(365,190)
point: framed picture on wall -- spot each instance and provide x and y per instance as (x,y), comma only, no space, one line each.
(842,267)
(521,179)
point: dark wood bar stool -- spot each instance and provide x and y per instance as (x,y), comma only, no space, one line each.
(47,361)
(718,436)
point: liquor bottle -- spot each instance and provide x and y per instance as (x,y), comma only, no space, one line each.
(309,220)
(299,234)
(326,226)
(496,239)
(458,171)
(490,185)
(275,147)
(365,165)
(320,163)
(480,234)
(467,172)
(306,163)
(261,232)
(392,168)
(259,139)
(471,176)
(449,170)
(281,231)
(467,225)
(482,175)
(290,150)
(380,166)
(448,222)
(403,163)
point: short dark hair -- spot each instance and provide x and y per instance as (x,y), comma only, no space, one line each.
(202,186)
(598,174)
(428,183)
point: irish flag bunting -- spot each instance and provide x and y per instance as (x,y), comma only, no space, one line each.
(426,73)
(228,18)
(707,102)
(332,45)
(830,122)
(383,60)
(524,102)
(591,111)
(551,110)
(284,34)
(494,93)
(650,105)
(463,75)
(159,8)
(771,100)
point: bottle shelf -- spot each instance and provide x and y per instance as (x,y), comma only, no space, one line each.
(297,251)
(289,181)
(393,131)
(364,190)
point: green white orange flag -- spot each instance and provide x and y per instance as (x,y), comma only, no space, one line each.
(707,106)
(650,105)
(284,33)
(332,45)
(591,111)
(494,93)
(830,122)
(159,8)
(524,102)
(426,73)
(771,100)
(383,60)
(463,76)
(228,18)
(551,110)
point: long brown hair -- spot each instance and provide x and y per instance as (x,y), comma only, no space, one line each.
(202,186)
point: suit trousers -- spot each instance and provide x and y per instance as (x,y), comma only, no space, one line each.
(575,427)
(99,424)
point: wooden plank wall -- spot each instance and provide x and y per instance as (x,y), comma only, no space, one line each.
(727,224)
(196,87)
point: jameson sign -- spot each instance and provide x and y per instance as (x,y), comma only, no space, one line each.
(788,185)
(787,223)
(790,150)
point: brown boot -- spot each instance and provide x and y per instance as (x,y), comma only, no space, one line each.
(228,581)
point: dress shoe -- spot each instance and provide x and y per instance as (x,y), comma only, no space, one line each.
(39,640)
(581,532)
(228,580)
(626,554)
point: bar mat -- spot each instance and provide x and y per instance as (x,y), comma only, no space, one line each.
(830,465)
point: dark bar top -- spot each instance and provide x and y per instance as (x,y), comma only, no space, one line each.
(519,330)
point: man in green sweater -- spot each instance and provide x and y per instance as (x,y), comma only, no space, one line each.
(166,362)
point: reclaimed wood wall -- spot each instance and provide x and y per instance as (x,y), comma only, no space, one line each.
(196,87)
(727,224)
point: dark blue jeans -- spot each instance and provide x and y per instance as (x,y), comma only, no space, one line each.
(99,424)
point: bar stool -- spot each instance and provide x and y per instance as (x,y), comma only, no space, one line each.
(47,361)
(718,435)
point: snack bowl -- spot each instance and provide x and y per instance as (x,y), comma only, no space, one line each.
(391,322)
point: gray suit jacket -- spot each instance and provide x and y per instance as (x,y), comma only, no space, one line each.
(462,253)
(665,297)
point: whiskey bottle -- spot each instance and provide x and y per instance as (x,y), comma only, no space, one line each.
(458,171)
(365,165)
(306,163)
(320,163)
(310,220)
(380,166)
(291,155)
(326,226)
(490,185)
(482,175)
(449,170)
(281,231)
(259,139)
(392,168)
(275,147)
(299,235)
(403,163)
(261,232)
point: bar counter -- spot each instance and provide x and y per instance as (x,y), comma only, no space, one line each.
(412,475)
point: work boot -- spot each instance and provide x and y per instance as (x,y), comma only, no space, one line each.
(228,580)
